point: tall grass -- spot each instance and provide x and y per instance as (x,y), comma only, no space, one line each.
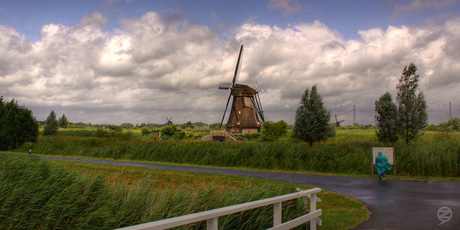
(432,156)
(37,195)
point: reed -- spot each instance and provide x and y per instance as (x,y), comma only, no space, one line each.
(35,194)
(434,155)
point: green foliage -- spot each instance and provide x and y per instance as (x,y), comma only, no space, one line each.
(412,116)
(332,130)
(115,128)
(126,126)
(145,131)
(431,128)
(51,125)
(37,195)
(272,131)
(63,122)
(387,119)
(168,130)
(311,121)
(17,125)
(452,125)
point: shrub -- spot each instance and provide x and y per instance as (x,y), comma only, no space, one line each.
(145,131)
(431,128)
(272,131)
(168,130)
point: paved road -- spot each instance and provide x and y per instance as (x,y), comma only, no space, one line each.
(395,204)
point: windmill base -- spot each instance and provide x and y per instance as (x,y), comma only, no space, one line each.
(240,131)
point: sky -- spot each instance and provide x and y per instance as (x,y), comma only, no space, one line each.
(138,61)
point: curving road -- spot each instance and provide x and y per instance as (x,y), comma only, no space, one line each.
(395,204)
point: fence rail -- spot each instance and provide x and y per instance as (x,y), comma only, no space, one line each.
(211,216)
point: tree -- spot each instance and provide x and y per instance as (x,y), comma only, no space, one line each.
(412,116)
(63,122)
(387,119)
(127,126)
(311,121)
(17,125)
(51,125)
(168,130)
(274,130)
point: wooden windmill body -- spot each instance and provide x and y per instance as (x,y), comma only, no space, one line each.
(246,114)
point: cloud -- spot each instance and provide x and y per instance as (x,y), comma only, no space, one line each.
(286,6)
(151,67)
(417,6)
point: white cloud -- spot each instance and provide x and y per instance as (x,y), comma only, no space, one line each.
(150,68)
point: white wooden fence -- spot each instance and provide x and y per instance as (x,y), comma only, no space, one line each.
(212,216)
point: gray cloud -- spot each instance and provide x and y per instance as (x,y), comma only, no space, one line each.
(153,67)
(286,6)
(417,6)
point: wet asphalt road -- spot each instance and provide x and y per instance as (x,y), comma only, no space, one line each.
(395,204)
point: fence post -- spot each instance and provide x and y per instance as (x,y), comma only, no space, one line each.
(212,224)
(277,214)
(312,209)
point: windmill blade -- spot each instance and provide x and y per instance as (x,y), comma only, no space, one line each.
(223,117)
(259,109)
(238,66)
(225,85)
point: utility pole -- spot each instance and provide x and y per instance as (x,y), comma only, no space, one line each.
(450,112)
(354,115)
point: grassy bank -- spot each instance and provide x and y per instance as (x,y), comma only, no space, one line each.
(431,156)
(39,194)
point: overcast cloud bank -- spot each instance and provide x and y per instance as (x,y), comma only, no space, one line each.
(151,67)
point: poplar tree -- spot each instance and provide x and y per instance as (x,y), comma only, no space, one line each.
(311,121)
(387,119)
(412,116)
(51,125)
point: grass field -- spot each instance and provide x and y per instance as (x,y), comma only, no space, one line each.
(434,155)
(39,194)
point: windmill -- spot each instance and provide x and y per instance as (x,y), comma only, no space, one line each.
(246,114)
(337,122)
(168,121)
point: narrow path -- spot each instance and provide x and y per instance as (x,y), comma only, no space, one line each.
(395,204)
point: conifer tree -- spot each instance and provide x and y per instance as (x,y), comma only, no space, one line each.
(387,119)
(311,121)
(51,125)
(63,122)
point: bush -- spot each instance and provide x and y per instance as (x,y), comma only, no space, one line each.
(145,131)
(431,128)
(168,130)
(272,131)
